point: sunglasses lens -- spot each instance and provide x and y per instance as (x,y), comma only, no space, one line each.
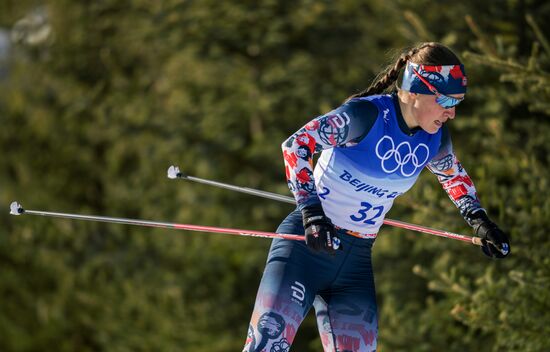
(447,102)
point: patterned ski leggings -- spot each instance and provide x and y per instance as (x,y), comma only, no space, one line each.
(340,287)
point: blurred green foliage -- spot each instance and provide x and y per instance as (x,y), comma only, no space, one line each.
(101,97)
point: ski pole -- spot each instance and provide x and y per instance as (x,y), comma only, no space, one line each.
(175,173)
(17,209)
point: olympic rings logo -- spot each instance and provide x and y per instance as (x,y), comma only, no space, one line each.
(395,155)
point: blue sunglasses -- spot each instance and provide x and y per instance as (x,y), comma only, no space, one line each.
(445,101)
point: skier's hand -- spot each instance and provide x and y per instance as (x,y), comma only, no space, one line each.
(495,243)
(319,231)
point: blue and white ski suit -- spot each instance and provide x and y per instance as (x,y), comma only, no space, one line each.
(368,158)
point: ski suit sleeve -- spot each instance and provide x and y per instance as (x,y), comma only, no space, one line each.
(349,123)
(454,179)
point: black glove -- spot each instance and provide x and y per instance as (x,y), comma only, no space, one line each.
(319,231)
(495,243)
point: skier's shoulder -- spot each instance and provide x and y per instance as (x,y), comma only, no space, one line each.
(364,108)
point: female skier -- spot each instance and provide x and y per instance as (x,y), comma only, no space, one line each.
(373,148)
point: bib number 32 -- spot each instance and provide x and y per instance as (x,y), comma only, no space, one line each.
(367,214)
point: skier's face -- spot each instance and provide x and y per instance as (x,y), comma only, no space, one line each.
(428,114)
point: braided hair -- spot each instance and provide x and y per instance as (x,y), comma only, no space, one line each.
(429,53)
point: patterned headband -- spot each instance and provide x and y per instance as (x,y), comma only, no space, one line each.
(447,79)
